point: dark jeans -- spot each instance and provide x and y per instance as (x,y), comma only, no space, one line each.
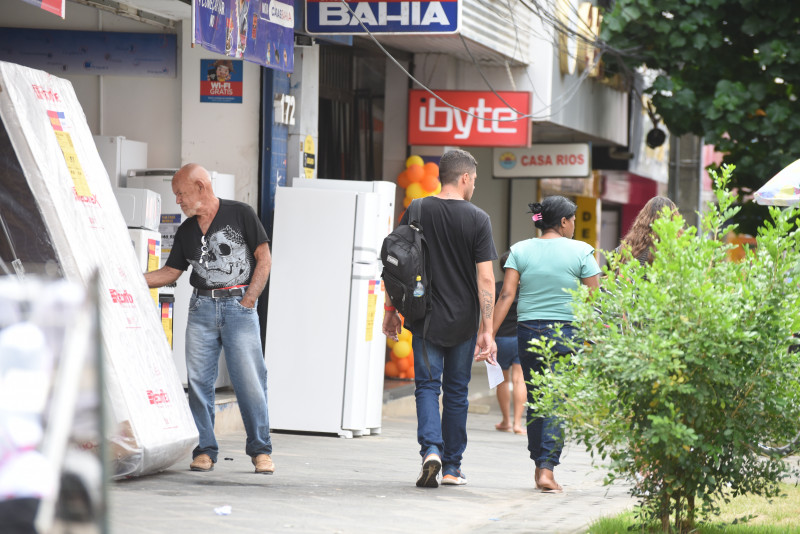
(451,368)
(545,435)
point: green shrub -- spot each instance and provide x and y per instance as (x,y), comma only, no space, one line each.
(688,367)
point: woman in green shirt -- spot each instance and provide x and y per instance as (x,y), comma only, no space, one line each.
(545,268)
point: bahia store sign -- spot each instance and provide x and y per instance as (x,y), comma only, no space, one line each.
(469,118)
(382,17)
(544,161)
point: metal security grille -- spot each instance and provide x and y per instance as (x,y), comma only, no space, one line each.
(346,131)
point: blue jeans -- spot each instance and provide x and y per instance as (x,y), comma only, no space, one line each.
(451,369)
(214,324)
(545,435)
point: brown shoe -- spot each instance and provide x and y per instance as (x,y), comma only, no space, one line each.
(202,462)
(263,464)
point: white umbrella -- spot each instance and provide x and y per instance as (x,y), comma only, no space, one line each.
(783,189)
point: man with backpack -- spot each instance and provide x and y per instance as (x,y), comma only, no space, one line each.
(459,315)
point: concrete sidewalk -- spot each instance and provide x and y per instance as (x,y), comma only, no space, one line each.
(328,484)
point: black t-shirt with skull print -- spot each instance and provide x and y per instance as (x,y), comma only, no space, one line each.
(223,257)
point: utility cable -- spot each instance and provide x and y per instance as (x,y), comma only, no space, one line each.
(431,92)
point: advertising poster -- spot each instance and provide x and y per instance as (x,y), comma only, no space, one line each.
(221,81)
(260,31)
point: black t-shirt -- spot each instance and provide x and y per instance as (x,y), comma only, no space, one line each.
(508,328)
(231,239)
(459,235)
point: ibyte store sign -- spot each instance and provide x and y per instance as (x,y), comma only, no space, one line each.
(382,17)
(468,118)
(544,161)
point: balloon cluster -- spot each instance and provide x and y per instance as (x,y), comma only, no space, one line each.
(401,356)
(419,179)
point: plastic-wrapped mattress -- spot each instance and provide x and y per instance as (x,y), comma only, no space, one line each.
(59,216)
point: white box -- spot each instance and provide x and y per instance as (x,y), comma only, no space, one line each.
(141,208)
(119,155)
(147,245)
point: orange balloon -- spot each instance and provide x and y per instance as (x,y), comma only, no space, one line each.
(410,372)
(415,173)
(406,203)
(402,180)
(430,183)
(402,374)
(391,370)
(431,168)
(403,364)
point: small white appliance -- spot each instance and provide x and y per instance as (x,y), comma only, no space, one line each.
(147,246)
(119,155)
(141,208)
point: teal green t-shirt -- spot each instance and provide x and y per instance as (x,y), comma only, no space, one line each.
(547,268)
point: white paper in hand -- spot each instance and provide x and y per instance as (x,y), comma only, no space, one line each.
(494,373)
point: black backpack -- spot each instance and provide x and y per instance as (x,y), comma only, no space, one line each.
(407,269)
(406,266)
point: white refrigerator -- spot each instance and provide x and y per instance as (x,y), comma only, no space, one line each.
(324,341)
(386,192)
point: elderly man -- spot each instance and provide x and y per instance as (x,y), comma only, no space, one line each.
(228,249)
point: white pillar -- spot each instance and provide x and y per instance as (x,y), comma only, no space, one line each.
(305,89)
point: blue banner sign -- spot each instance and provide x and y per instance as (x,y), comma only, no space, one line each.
(382,17)
(260,31)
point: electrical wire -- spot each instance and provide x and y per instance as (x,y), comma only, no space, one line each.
(519,116)
(556,24)
(423,86)
(566,95)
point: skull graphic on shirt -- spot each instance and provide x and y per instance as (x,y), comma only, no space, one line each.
(227,261)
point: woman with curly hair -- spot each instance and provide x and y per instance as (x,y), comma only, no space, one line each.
(544,268)
(639,239)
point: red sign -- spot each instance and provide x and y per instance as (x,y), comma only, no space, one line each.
(486,120)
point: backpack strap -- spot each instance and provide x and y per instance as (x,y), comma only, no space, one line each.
(415,219)
(415,213)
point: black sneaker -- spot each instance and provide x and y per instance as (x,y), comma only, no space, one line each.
(431,465)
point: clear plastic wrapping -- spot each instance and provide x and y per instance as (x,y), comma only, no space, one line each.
(59,216)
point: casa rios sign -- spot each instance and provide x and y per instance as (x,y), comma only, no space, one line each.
(382,16)
(468,118)
(543,161)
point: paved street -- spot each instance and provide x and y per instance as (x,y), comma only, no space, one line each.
(329,484)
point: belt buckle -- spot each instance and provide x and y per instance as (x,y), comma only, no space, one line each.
(214,293)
